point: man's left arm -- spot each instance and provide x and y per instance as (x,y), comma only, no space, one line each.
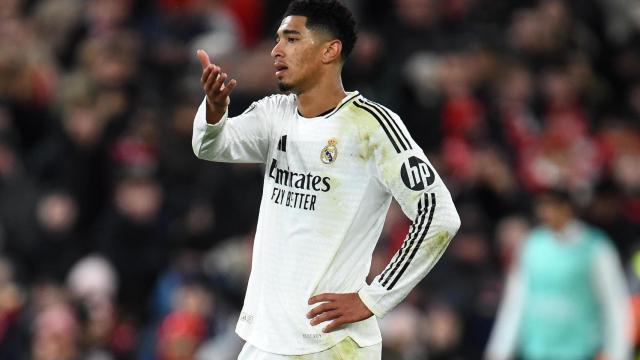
(406,172)
(403,169)
(612,291)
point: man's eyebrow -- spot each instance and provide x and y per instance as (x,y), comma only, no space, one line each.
(291,32)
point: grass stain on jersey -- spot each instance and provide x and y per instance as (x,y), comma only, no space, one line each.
(373,140)
(365,149)
(346,349)
(439,242)
(363,127)
(335,202)
(390,170)
(367,143)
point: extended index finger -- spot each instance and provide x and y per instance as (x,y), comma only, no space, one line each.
(204,58)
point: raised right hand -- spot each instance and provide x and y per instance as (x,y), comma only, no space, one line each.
(213,83)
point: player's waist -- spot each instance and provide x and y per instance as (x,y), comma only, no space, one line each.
(282,336)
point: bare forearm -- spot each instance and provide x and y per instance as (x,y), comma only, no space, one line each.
(214,115)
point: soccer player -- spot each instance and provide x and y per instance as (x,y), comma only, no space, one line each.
(334,160)
(566,297)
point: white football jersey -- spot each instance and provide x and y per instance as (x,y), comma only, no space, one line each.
(328,184)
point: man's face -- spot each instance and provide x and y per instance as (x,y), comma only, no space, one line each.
(297,54)
(552,212)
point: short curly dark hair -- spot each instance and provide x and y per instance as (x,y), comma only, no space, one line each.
(329,15)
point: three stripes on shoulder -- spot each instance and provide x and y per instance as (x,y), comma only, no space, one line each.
(398,138)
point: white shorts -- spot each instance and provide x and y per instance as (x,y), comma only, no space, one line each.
(347,349)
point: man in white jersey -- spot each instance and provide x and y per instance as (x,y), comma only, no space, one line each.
(334,160)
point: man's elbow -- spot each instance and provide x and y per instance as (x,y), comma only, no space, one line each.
(455,222)
(448,223)
(450,219)
(196,148)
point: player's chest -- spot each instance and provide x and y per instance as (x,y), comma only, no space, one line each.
(315,166)
(318,146)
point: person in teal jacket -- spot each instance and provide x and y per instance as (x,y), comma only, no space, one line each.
(566,296)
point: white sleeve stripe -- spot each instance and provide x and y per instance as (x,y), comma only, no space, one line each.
(414,229)
(415,249)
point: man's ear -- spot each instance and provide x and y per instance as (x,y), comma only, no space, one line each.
(332,52)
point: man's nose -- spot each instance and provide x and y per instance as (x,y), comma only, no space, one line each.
(276,51)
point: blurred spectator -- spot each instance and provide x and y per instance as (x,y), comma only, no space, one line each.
(442,330)
(511,234)
(11,307)
(19,195)
(607,211)
(228,265)
(93,278)
(634,274)
(176,28)
(368,56)
(184,329)
(400,330)
(56,334)
(235,197)
(178,167)
(73,159)
(136,150)
(515,92)
(58,22)
(93,284)
(58,244)
(181,333)
(132,237)
(28,80)
(566,296)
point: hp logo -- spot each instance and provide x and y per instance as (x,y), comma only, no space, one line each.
(416,174)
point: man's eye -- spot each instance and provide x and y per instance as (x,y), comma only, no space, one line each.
(291,40)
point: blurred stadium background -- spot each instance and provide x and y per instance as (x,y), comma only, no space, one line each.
(116,243)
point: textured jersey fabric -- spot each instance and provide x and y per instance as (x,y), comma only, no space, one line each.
(345,349)
(328,184)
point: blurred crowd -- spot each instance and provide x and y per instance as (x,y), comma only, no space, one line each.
(117,243)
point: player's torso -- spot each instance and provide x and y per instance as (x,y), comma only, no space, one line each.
(317,166)
(318,172)
(316,179)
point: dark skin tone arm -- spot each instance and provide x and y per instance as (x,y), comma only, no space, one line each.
(213,83)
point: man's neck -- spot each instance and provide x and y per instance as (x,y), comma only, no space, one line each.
(320,99)
(567,229)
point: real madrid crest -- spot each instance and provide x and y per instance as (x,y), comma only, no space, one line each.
(329,153)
